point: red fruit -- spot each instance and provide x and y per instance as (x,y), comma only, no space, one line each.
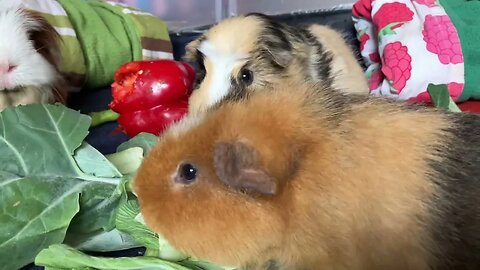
(397,65)
(154,120)
(392,15)
(144,84)
(151,95)
(442,39)
(363,8)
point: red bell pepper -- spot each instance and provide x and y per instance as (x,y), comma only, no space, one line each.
(150,95)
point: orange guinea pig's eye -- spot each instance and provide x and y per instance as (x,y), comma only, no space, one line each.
(187,174)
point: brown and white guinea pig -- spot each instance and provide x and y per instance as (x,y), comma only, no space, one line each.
(29,58)
(303,177)
(242,53)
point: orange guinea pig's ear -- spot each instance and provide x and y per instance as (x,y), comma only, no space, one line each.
(237,166)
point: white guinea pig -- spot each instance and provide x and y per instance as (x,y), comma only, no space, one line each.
(29,58)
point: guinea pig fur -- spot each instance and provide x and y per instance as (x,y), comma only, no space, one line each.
(29,58)
(303,177)
(244,52)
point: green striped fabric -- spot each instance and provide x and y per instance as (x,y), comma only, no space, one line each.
(99,36)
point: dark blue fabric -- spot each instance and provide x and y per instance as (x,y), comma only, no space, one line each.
(105,137)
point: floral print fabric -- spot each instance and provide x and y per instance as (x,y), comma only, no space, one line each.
(407,45)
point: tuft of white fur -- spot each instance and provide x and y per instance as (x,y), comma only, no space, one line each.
(223,65)
(185,124)
(10,4)
(31,68)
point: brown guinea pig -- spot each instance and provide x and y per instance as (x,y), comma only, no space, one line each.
(29,58)
(240,54)
(304,177)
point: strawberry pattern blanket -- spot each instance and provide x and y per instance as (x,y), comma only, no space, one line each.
(411,46)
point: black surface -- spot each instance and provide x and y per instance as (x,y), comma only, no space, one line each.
(106,139)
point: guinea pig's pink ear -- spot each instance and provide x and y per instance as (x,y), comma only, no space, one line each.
(236,166)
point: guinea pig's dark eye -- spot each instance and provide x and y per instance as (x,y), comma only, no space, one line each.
(187,174)
(245,76)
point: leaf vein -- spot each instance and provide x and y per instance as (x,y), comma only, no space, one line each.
(17,155)
(52,204)
(62,141)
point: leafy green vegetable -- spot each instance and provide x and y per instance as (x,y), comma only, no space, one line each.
(48,175)
(441,97)
(41,140)
(60,196)
(143,140)
(92,162)
(128,160)
(35,212)
(98,208)
(126,222)
(194,264)
(101,241)
(168,252)
(65,257)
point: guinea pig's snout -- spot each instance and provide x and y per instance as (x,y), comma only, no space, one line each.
(186,174)
(5,70)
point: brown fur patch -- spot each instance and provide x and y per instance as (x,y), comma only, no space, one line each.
(236,165)
(352,196)
(46,41)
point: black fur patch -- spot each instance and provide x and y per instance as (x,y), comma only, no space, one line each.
(200,69)
(197,60)
(456,227)
(237,92)
(273,42)
(276,45)
(323,63)
(199,65)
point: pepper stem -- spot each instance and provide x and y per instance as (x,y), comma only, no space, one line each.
(102,117)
